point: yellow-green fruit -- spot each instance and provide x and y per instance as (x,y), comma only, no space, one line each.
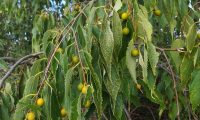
(84,89)
(75,59)
(134,52)
(124,16)
(63,112)
(80,86)
(87,104)
(198,35)
(157,12)
(30,116)
(77,7)
(60,50)
(40,102)
(125,31)
(138,86)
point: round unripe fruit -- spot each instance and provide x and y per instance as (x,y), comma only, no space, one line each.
(84,89)
(63,112)
(124,16)
(77,7)
(134,52)
(60,50)
(75,59)
(30,116)
(138,86)
(87,104)
(157,12)
(125,31)
(40,102)
(198,35)
(80,86)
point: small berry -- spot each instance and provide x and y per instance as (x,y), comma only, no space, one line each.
(40,102)
(63,112)
(75,59)
(80,86)
(125,31)
(134,52)
(30,116)
(84,89)
(157,12)
(124,16)
(87,104)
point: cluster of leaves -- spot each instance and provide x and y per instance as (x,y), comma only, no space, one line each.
(166,70)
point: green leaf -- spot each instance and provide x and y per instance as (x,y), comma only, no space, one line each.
(89,22)
(186,69)
(97,94)
(116,28)
(107,45)
(113,85)
(4,108)
(194,89)
(33,80)
(144,24)
(118,5)
(187,22)
(153,56)
(79,107)
(118,107)
(67,100)
(191,37)
(173,111)
(21,107)
(143,61)
(131,61)
(175,55)
(3,65)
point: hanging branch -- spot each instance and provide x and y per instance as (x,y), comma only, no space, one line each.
(81,63)
(15,65)
(174,80)
(67,28)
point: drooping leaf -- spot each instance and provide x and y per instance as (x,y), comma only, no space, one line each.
(186,69)
(107,45)
(191,37)
(153,56)
(175,55)
(143,61)
(145,27)
(194,89)
(90,22)
(118,107)
(113,85)
(116,28)
(3,65)
(131,61)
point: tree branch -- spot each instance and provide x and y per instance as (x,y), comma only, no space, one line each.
(174,81)
(127,113)
(9,59)
(15,65)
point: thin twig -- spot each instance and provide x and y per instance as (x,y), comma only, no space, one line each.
(57,46)
(104,116)
(127,113)
(174,81)
(172,49)
(78,51)
(163,67)
(9,59)
(188,104)
(15,65)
